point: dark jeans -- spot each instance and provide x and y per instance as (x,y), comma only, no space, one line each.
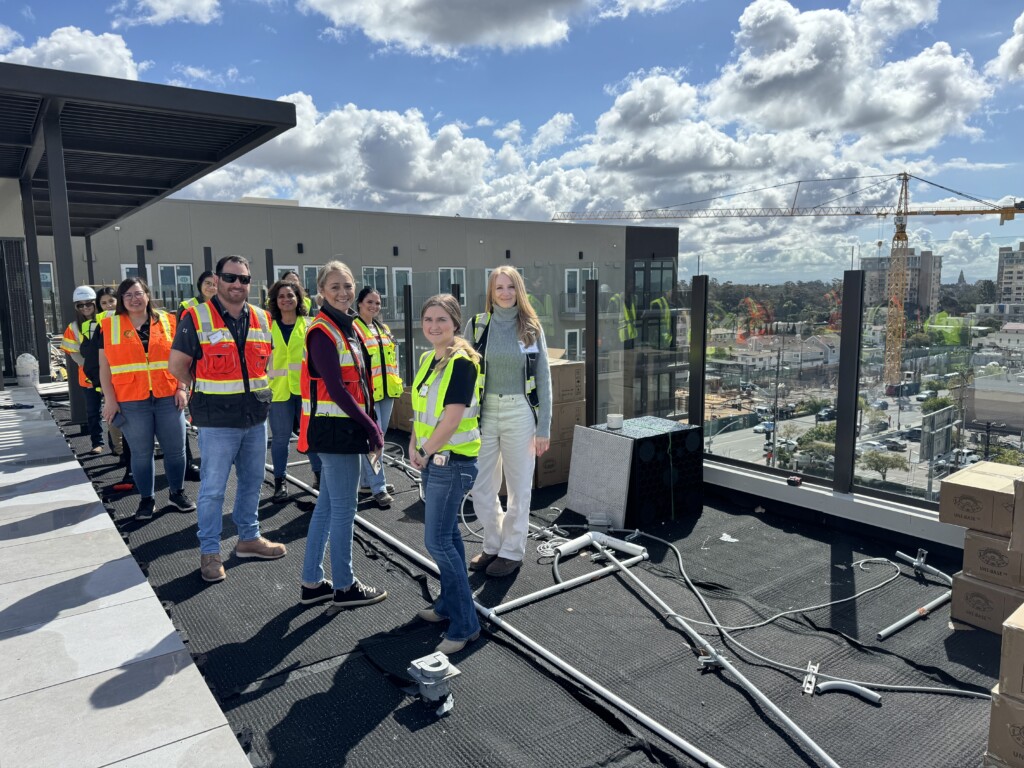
(93,415)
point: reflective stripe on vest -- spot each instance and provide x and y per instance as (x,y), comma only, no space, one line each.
(353,374)
(128,359)
(285,370)
(380,345)
(219,370)
(627,317)
(428,407)
(480,324)
(71,344)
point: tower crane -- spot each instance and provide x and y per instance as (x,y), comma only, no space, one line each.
(896,279)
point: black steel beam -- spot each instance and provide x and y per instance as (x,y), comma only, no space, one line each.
(34,285)
(590,351)
(30,163)
(698,349)
(849,377)
(90,272)
(140,150)
(140,262)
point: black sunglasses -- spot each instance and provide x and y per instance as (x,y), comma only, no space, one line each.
(229,277)
(85,304)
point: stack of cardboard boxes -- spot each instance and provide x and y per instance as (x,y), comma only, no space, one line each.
(991,586)
(568,409)
(988,499)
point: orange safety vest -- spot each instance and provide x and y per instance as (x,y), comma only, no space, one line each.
(71,345)
(316,400)
(136,373)
(219,370)
(380,345)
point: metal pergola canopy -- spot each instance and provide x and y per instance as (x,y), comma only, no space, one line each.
(125,144)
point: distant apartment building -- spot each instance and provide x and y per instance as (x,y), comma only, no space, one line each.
(1004,313)
(924,276)
(1010,277)
(1009,337)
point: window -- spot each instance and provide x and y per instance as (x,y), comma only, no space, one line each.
(575,287)
(309,279)
(132,270)
(402,277)
(176,279)
(449,276)
(573,348)
(279,271)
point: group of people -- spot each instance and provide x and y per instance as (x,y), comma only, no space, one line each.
(481,403)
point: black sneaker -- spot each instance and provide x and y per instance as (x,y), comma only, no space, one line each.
(192,473)
(320,593)
(181,500)
(146,506)
(356,595)
(280,492)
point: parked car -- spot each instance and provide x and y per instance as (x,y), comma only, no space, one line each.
(914,434)
(781,442)
(878,425)
(964,456)
(893,444)
(924,396)
(764,428)
(871,445)
(826,414)
(881,405)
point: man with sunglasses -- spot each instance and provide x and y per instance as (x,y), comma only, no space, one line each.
(220,352)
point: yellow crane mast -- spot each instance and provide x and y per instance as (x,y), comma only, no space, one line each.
(896,285)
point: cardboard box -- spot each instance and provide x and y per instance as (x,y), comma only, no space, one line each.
(983,605)
(1006,730)
(987,558)
(565,417)
(566,381)
(553,467)
(978,499)
(1017,531)
(1011,660)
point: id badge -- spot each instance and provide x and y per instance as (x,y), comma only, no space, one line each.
(440,460)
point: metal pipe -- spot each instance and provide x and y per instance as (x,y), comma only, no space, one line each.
(724,663)
(910,618)
(623,705)
(562,586)
(842,685)
(920,565)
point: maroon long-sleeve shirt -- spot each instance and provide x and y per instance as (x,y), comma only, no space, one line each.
(325,358)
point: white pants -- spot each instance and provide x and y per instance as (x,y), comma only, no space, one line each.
(506,444)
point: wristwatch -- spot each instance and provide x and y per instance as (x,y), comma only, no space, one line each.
(422,453)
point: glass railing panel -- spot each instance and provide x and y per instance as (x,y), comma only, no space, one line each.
(772,366)
(954,393)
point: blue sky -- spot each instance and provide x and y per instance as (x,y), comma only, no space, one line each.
(516,110)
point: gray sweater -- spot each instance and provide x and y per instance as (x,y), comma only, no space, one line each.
(506,365)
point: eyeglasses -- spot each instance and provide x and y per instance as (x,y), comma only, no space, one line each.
(230,277)
(84,304)
(134,295)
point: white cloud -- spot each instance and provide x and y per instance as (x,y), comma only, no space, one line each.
(511,132)
(1009,63)
(823,71)
(443,28)
(157,12)
(191,76)
(8,37)
(553,133)
(27,14)
(78,50)
(484,122)
(622,8)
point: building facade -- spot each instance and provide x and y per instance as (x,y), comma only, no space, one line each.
(1010,276)
(924,277)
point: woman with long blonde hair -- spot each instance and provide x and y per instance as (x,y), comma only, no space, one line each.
(515,421)
(444,445)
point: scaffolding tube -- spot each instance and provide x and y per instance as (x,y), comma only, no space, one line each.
(924,610)
(721,661)
(670,736)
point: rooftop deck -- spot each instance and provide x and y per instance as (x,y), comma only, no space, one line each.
(302,687)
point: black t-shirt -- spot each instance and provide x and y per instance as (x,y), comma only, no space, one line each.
(462,385)
(286,331)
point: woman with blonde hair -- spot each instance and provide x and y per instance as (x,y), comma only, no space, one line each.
(515,422)
(338,424)
(444,445)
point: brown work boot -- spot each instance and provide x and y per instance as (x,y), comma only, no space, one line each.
(211,568)
(502,566)
(261,548)
(480,561)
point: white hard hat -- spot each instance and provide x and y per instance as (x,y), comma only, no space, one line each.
(83,293)
(604,288)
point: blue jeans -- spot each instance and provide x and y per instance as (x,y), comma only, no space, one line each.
(283,414)
(221,447)
(143,419)
(93,415)
(444,488)
(367,477)
(332,518)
